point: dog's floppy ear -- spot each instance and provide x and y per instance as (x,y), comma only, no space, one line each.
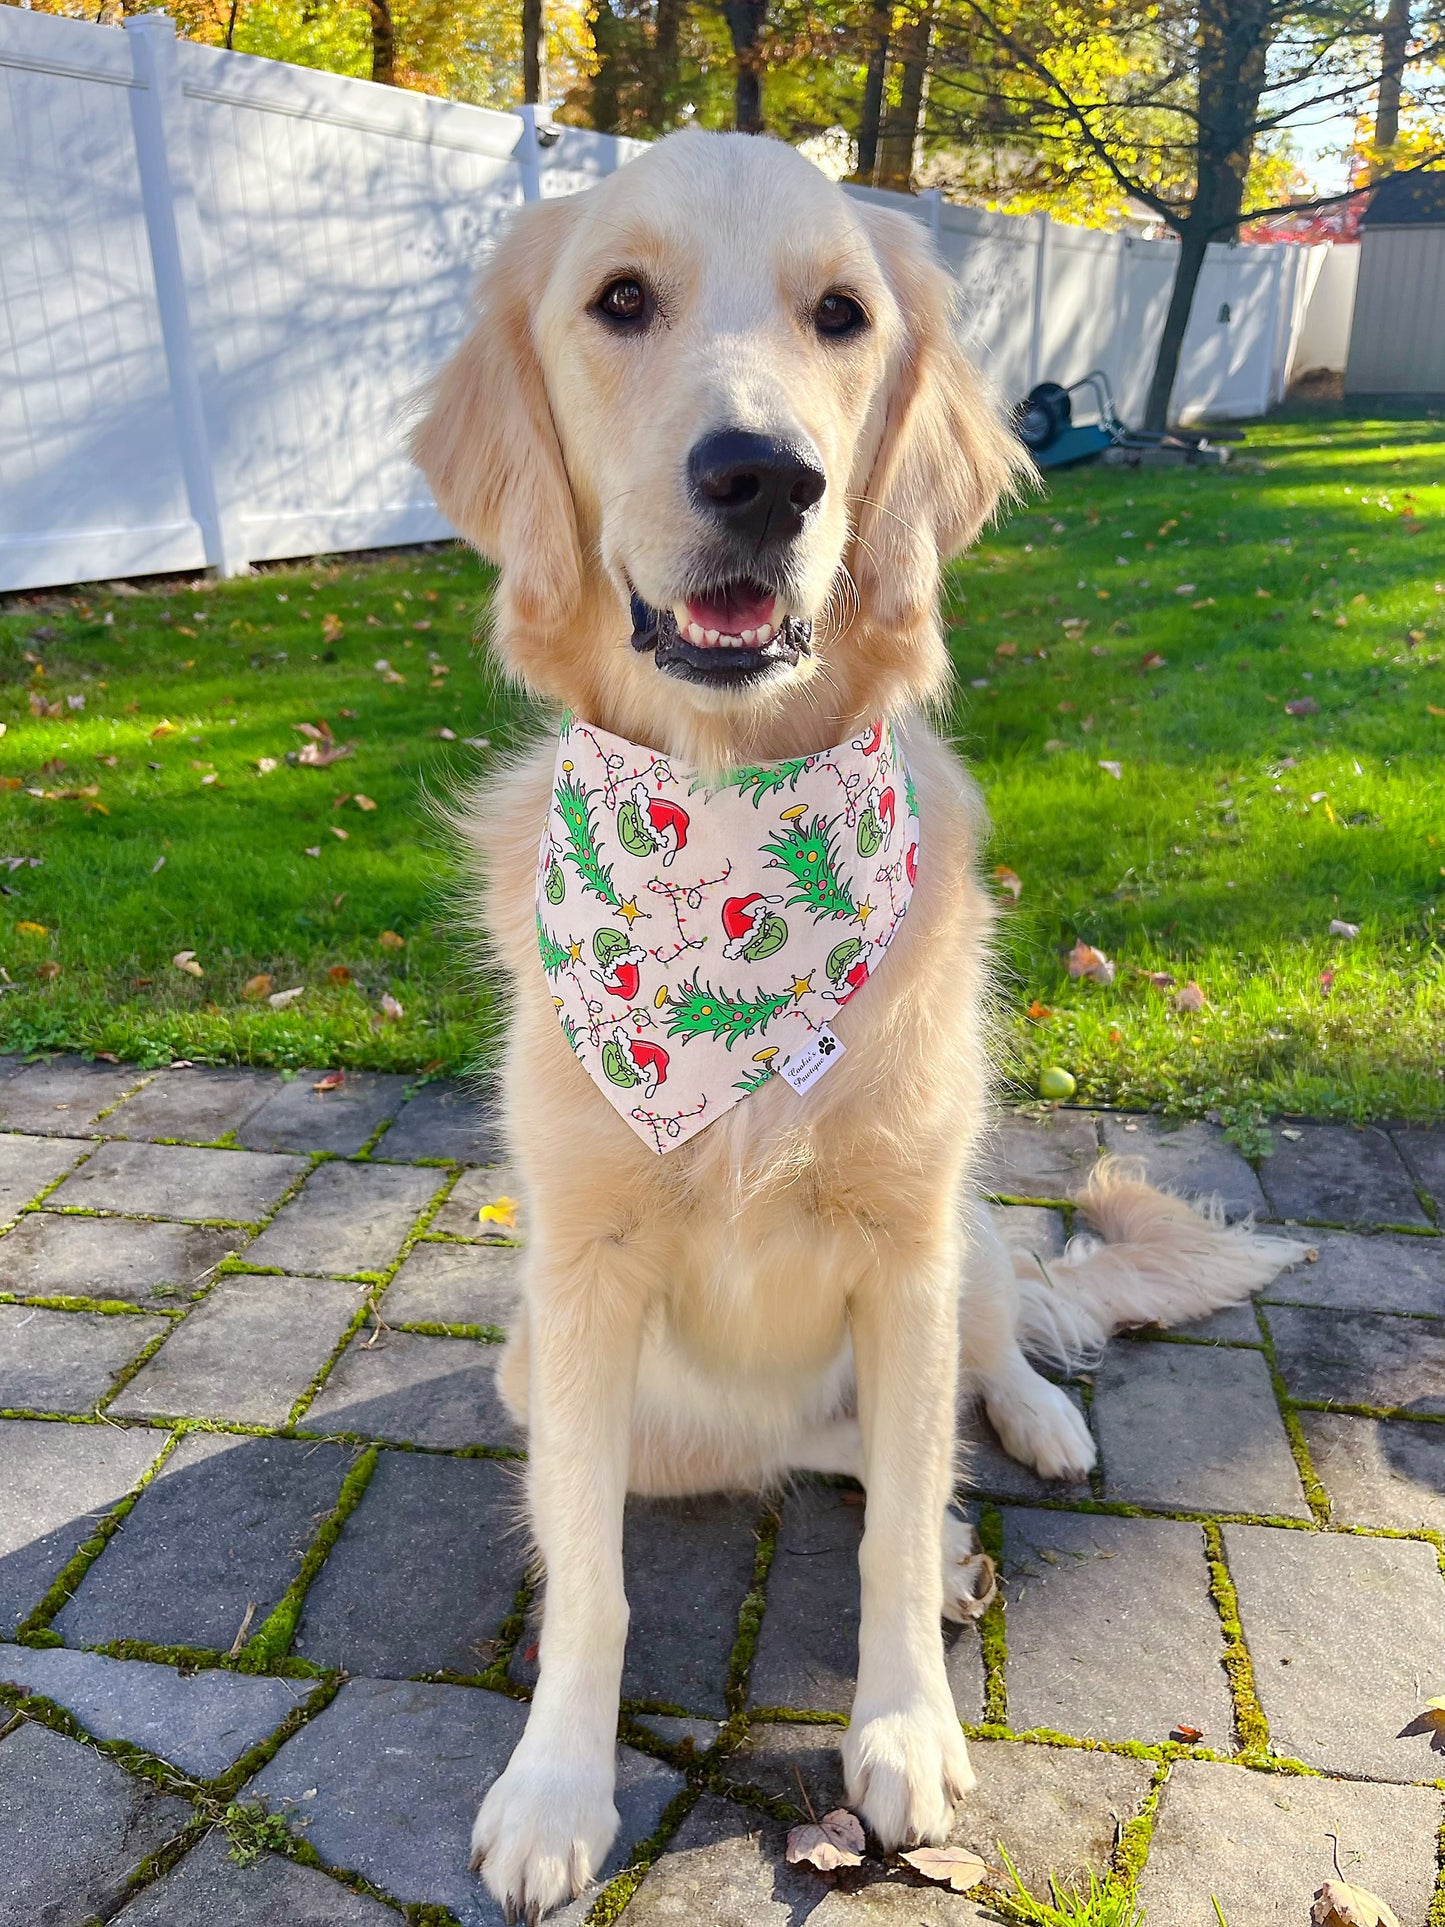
(488,444)
(945,458)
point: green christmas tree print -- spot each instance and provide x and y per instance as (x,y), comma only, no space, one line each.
(810,857)
(582,852)
(701,1011)
(555,956)
(759,1075)
(765,779)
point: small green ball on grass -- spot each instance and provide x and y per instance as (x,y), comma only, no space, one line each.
(1056,1083)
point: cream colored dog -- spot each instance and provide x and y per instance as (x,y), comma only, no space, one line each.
(713,424)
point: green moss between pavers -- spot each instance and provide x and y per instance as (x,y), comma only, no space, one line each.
(111,1307)
(272,1639)
(63,1586)
(750,1614)
(136,1760)
(480,1334)
(155,1866)
(992,1628)
(1136,1836)
(1436,1915)
(1316,1497)
(1250,1724)
(620,1889)
(199,1658)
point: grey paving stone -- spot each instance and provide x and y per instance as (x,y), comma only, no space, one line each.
(1342,1632)
(1044,1157)
(1367,1272)
(175,1181)
(1361,1358)
(27,1165)
(446,1284)
(1192,1158)
(424,1571)
(347,1218)
(389,1777)
(448,1119)
(988,1468)
(1260,1843)
(1193,1427)
(1340,1175)
(807,1653)
(1422,1146)
(201,1723)
(896,1901)
(473,1189)
(726,1866)
(62,1096)
(1379,1472)
(209,1889)
(688,1564)
(246,1353)
(137,1259)
(1088,1600)
(1029,1228)
(58,1480)
(420,1391)
(73,1828)
(1234,1325)
(297,1117)
(198,1105)
(224,1524)
(673,1730)
(65,1361)
(790,1761)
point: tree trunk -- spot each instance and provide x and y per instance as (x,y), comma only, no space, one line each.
(534,53)
(899,140)
(607,81)
(660,88)
(383,43)
(871,117)
(1394,47)
(745,20)
(1192,244)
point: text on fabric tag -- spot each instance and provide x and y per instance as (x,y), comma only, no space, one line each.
(803,1069)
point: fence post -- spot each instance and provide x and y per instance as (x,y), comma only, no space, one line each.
(932,197)
(158,118)
(1043,249)
(529,153)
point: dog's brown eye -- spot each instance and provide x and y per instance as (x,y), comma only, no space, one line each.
(623,300)
(839,314)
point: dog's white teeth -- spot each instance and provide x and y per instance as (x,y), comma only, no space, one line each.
(694,632)
(747,635)
(708,635)
(764,633)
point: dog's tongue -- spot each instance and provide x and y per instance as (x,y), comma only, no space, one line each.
(738,607)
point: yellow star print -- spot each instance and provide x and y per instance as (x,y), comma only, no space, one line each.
(574,951)
(628,908)
(863,913)
(800,986)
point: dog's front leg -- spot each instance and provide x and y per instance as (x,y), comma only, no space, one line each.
(546,1825)
(904,1754)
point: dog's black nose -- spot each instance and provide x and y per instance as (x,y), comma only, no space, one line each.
(757,485)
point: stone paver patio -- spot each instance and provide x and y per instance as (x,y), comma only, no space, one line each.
(264,1603)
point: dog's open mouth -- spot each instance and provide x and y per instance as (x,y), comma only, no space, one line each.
(734,634)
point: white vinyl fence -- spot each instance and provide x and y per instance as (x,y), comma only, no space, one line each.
(222,280)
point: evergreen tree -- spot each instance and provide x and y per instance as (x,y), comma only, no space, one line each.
(582,852)
(701,1011)
(810,857)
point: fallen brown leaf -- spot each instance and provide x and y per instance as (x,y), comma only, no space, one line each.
(186,960)
(834,1841)
(321,755)
(1085,961)
(1338,1904)
(256,987)
(1191,997)
(1009,880)
(332,627)
(1339,928)
(363,802)
(1187,1735)
(1116,770)
(389,940)
(339,974)
(332,1081)
(390,1009)
(48,971)
(1302,706)
(164,728)
(279,999)
(1431,1721)
(953,1867)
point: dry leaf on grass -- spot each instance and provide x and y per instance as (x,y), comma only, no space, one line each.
(1302,706)
(332,1081)
(1009,880)
(1190,998)
(332,627)
(389,940)
(339,974)
(390,1009)
(834,1841)
(1339,928)
(323,755)
(48,971)
(317,732)
(265,765)
(312,849)
(1116,770)
(953,1867)
(279,999)
(165,727)
(1085,961)
(1338,1904)
(257,987)
(363,802)
(336,830)
(186,960)
(1156,979)
(29,929)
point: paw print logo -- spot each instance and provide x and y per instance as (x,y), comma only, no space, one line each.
(827,1046)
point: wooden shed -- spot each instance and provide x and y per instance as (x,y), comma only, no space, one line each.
(1397,342)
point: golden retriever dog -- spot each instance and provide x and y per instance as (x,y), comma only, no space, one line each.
(714,425)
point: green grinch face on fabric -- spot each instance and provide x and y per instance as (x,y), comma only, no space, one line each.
(607,944)
(632,833)
(870,833)
(555,886)
(839,959)
(772,935)
(617,1066)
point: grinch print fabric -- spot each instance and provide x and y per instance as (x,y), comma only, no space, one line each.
(699,936)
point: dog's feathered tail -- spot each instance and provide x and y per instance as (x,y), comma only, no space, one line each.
(1156,1261)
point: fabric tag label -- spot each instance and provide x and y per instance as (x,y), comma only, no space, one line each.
(805,1067)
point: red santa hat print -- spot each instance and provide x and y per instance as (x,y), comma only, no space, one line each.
(668,822)
(742,918)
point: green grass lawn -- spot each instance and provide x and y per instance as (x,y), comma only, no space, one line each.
(1159,621)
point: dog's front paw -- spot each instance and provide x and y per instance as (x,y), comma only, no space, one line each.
(906,1771)
(543,1832)
(1041,1426)
(970,1578)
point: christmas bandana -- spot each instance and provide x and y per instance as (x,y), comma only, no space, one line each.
(699,936)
